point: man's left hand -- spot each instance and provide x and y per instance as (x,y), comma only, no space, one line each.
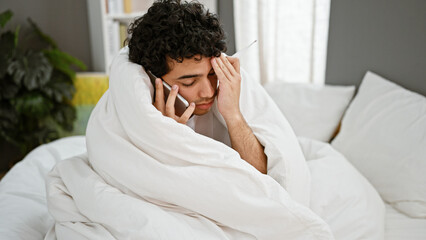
(227,70)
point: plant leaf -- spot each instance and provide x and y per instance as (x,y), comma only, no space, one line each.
(42,35)
(8,118)
(8,88)
(35,89)
(6,51)
(33,105)
(5,17)
(33,69)
(63,61)
(65,116)
(60,87)
(17,35)
(44,135)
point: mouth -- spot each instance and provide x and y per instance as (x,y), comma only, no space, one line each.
(205,105)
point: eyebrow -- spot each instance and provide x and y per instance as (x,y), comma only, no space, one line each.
(191,75)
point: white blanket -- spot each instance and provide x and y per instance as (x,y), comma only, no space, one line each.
(146,176)
(341,196)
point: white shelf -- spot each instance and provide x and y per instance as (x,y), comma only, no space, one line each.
(98,34)
(104,31)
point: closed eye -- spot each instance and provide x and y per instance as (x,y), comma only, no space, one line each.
(188,85)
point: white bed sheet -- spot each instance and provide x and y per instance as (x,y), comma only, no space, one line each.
(23,211)
(399,226)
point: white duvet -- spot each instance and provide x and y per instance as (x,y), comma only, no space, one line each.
(339,195)
(141,179)
(147,176)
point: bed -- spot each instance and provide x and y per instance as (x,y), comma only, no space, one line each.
(348,143)
(381,131)
(374,136)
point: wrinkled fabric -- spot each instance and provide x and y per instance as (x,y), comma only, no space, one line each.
(145,176)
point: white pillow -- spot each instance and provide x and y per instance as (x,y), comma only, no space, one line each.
(313,111)
(383,134)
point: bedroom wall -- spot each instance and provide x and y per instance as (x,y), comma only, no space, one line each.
(65,21)
(226,15)
(385,36)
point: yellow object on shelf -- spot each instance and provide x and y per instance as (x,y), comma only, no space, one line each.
(89,88)
(127,5)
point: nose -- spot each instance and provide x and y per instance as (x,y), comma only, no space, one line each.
(206,88)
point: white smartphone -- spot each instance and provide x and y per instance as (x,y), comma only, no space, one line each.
(180,103)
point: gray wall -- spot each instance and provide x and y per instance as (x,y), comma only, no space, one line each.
(226,15)
(64,20)
(385,36)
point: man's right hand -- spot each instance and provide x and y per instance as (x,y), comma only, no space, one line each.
(168,108)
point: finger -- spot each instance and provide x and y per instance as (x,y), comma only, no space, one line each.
(235,61)
(221,78)
(224,68)
(187,114)
(170,104)
(219,73)
(228,65)
(235,65)
(159,95)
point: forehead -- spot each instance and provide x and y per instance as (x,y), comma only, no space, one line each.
(195,65)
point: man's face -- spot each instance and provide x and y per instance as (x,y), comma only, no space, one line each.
(197,82)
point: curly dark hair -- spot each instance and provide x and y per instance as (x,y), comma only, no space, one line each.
(174,29)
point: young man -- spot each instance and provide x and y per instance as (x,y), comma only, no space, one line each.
(146,175)
(183,43)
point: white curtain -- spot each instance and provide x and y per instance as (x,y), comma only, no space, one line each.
(292,39)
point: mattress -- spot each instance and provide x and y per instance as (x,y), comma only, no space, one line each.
(399,226)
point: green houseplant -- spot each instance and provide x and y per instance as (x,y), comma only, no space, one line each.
(36,87)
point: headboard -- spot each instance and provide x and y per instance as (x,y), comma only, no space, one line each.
(387,37)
